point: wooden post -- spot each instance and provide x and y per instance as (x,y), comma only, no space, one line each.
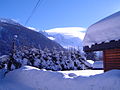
(104,61)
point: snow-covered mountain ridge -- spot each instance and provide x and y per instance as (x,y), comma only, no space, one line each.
(67,37)
(25,37)
(9,21)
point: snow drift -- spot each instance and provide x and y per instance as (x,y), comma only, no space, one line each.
(30,78)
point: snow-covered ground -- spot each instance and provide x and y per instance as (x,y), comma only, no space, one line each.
(30,78)
(86,73)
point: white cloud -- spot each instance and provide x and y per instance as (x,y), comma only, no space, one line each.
(71,31)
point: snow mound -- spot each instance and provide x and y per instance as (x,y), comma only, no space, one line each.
(72,75)
(30,78)
(2,72)
(105,30)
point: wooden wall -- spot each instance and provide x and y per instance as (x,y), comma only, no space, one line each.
(111,59)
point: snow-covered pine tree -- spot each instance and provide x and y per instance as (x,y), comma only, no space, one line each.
(12,63)
(46,59)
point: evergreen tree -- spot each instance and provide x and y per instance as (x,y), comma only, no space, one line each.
(46,59)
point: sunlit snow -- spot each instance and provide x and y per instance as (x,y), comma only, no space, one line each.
(31,78)
(71,31)
(103,31)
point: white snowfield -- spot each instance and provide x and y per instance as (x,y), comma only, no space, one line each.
(105,30)
(68,37)
(68,32)
(30,78)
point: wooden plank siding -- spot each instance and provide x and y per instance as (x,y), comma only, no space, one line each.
(111,59)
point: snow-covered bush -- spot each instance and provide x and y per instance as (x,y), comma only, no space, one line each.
(45,59)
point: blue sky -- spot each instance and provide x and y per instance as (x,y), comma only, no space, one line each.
(58,13)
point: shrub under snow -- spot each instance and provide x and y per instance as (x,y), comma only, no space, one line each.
(45,59)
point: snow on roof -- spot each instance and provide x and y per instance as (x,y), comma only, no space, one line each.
(105,30)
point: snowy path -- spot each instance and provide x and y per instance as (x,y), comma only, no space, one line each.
(30,78)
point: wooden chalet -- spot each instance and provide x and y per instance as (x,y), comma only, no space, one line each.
(110,44)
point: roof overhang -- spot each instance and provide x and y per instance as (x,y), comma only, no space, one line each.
(103,46)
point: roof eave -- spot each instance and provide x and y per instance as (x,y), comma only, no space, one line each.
(103,46)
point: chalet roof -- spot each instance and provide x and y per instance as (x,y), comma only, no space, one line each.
(105,34)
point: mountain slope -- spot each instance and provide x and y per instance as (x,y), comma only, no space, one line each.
(26,37)
(67,37)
